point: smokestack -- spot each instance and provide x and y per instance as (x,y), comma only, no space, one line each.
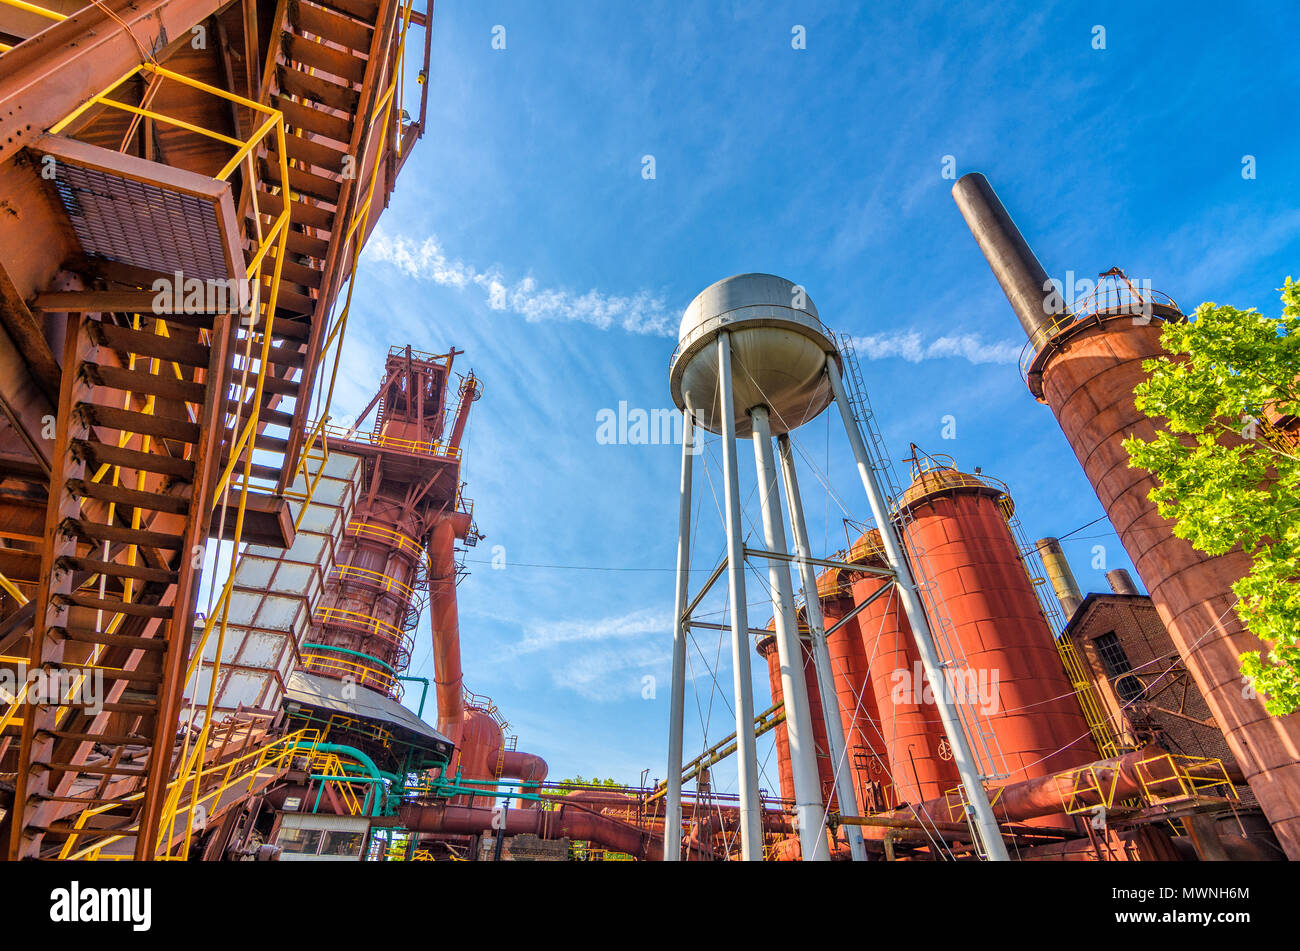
(1022,278)
(1060,575)
(1121,582)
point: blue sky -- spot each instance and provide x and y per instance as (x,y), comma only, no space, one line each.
(523,232)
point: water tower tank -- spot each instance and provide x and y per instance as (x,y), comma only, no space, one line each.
(779,348)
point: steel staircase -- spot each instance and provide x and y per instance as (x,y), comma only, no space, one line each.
(140,411)
(320,77)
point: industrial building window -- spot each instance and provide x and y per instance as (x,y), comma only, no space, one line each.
(1112,655)
(1117,666)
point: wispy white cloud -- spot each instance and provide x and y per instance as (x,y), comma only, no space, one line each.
(609,674)
(911,346)
(642,313)
(539,636)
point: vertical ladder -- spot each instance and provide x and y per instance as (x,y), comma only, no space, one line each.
(984,743)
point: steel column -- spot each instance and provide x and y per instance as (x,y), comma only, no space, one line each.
(751,818)
(677,697)
(798,716)
(984,823)
(838,746)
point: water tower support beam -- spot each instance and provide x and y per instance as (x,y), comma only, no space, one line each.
(985,825)
(677,700)
(798,717)
(751,817)
(844,791)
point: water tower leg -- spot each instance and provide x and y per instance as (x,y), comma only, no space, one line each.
(835,740)
(798,717)
(986,826)
(751,816)
(677,701)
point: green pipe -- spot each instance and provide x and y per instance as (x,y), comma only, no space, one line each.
(348,650)
(361,757)
(423,693)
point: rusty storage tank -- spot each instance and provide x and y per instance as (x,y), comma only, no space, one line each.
(867,759)
(920,761)
(955,523)
(766,648)
(1084,363)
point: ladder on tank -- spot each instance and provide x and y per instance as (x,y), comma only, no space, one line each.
(984,743)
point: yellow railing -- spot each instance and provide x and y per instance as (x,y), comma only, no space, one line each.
(403,543)
(1089,787)
(342,666)
(375,578)
(13,591)
(273,758)
(364,623)
(272,124)
(414,446)
(191,761)
(1196,776)
(329,764)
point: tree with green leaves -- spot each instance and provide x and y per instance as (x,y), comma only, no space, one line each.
(1229,373)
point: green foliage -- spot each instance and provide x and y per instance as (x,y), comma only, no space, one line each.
(1229,367)
(594,782)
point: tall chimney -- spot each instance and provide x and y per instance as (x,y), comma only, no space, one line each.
(1022,278)
(1060,575)
(1087,373)
(1121,582)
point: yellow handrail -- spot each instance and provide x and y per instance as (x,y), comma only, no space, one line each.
(371,677)
(415,446)
(377,578)
(390,536)
(267,756)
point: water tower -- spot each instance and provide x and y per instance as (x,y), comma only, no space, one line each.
(755,360)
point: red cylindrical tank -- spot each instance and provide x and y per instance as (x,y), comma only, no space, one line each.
(1087,374)
(1013,679)
(867,757)
(825,770)
(919,758)
(766,648)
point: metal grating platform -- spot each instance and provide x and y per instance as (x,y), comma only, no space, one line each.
(145,214)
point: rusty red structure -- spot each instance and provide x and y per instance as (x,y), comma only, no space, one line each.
(1084,361)
(916,756)
(410,502)
(957,523)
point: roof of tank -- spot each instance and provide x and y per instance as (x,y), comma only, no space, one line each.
(326,693)
(939,479)
(748,296)
(742,291)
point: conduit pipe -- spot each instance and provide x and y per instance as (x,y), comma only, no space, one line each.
(569,820)
(449,679)
(528,768)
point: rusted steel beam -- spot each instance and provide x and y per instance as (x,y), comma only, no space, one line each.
(53,73)
(28,334)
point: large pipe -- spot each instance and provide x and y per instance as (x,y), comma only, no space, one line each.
(1060,575)
(798,716)
(470,390)
(751,830)
(677,691)
(568,821)
(526,767)
(986,826)
(1019,273)
(444,618)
